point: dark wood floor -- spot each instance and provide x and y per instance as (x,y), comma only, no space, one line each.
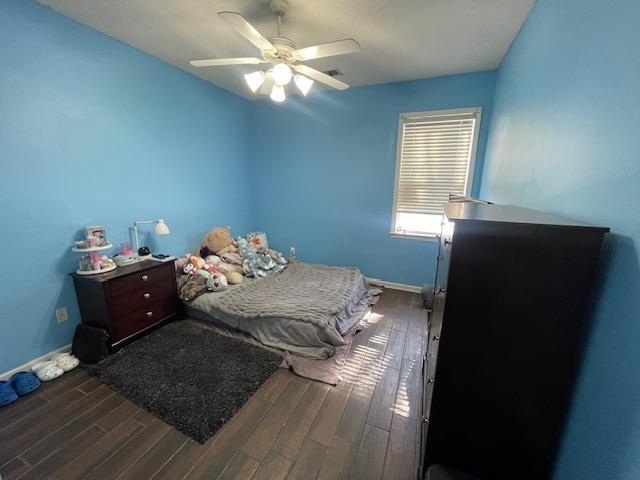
(364,428)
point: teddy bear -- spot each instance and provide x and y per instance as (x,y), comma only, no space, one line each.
(233,278)
(217,241)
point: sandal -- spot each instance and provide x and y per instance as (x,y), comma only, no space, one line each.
(65,361)
(7,394)
(24,383)
(46,371)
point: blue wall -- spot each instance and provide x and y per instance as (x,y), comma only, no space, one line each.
(565,139)
(323,171)
(95,132)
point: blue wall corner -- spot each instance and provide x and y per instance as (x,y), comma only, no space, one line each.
(323,171)
(564,138)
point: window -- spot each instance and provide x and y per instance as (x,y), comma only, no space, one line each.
(436,153)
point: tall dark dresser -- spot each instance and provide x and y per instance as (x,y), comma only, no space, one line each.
(513,293)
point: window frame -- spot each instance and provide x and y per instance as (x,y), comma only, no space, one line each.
(412,116)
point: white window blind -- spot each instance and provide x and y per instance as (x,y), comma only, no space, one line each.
(435,158)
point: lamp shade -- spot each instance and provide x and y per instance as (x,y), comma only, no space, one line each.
(277,94)
(161,228)
(303,83)
(254,80)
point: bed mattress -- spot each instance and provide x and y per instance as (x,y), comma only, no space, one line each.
(285,331)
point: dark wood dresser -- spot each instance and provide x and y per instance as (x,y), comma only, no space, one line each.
(129,299)
(506,336)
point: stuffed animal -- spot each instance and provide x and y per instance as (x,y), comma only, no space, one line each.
(204,274)
(216,241)
(197,262)
(258,240)
(256,264)
(182,261)
(189,269)
(277,256)
(210,268)
(213,260)
(217,282)
(233,278)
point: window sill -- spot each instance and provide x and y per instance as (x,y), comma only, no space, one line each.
(412,236)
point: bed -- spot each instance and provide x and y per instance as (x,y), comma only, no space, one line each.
(306,309)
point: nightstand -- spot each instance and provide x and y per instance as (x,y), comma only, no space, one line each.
(128,300)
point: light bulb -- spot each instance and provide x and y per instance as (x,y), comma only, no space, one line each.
(303,83)
(281,74)
(254,80)
(277,94)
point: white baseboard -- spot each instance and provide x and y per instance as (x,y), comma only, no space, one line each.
(27,366)
(395,286)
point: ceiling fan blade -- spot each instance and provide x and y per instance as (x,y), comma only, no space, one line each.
(245,29)
(217,62)
(320,77)
(341,47)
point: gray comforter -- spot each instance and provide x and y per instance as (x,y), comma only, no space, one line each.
(305,309)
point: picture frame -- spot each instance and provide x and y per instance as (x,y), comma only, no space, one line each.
(99,233)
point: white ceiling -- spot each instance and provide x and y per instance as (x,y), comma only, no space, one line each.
(400,39)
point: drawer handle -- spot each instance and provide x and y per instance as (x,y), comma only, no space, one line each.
(436,338)
(145,278)
(149,314)
(147,295)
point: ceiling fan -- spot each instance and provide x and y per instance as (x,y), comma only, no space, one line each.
(283,54)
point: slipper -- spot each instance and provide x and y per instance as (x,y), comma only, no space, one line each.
(7,394)
(46,371)
(65,361)
(24,383)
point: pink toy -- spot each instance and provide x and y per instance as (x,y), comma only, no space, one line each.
(210,268)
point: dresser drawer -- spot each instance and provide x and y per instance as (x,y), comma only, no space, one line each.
(135,281)
(141,318)
(141,298)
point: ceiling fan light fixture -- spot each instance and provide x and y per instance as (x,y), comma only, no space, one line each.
(254,80)
(303,83)
(277,94)
(282,74)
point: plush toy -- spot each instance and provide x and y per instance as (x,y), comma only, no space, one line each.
(213,260)
(233,278)
(210,268)
(204,274)
(277,256)
(182,261)
(216,241)
(189,269)
(197,262)
(259,241)
(256,264)
(217,282)
(227,268)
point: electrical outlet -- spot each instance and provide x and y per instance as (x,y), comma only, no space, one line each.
(62,315)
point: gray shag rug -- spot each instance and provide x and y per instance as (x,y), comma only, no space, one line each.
(189,376)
